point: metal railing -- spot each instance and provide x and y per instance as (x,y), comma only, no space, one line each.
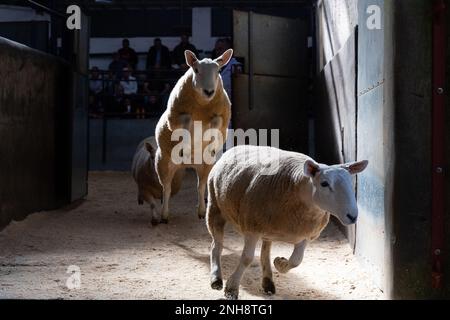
(109,100)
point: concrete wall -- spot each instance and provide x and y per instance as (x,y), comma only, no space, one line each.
(34,96)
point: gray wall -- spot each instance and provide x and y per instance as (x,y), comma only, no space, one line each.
(393,131)
(113,142)
(34,122)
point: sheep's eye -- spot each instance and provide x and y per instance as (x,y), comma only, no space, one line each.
(325,184)
(196,70)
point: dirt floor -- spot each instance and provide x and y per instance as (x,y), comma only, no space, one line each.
(121,256)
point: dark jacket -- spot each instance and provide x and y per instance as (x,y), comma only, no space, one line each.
(165,57)
(178,53)
(130,56)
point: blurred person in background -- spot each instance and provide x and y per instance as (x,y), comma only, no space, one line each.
(96,81)
(178,53)
(158,56)
(165,94)
(153,106)
(128,54)
(231,68)
(95,89)
(117,65)
(128,84)
(219,47)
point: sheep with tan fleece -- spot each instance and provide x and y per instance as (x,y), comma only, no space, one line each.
(144,174)
(291,202)
(198,97)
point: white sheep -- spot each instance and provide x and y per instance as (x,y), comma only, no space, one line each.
(198,97)
(144,174)
(291,204)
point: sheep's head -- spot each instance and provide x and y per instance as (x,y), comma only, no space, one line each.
(333,190)
(206,73)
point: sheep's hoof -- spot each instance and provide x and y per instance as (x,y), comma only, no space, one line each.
(217,284)
(281,264)
(164,221)
(140,202)
(155,222)
(201,214)
(231,294)
(268,286)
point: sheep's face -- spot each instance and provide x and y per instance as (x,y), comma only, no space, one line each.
(206,73)
(333,189)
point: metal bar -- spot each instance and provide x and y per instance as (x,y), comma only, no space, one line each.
(46,9)
(438,143)
(104,140)
(53,31)
(250,61)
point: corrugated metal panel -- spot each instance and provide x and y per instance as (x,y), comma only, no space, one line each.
(335,110)
(335,106)
(371,185)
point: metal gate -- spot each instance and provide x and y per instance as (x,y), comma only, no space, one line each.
(80,137)
(271,92)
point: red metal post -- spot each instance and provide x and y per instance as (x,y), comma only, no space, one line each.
(438,182)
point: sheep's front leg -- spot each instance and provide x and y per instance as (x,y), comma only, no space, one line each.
(283,265)
(180,121)
(267,284)
(216,122)
(232,287)
(217,140)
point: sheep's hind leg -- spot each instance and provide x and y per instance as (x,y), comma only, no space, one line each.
(216,225)
(155,218)
(202,174)
(232,287)
(283,265)
(267,284)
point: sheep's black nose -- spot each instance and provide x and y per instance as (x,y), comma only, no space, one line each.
(208,93)
(351,218)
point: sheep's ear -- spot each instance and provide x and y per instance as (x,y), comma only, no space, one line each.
(356,167)
(150,148)
(311,168)
(191,59)
(225,58)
